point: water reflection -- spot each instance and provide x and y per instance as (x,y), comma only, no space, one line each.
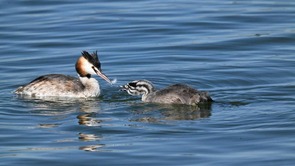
(59,106)
(62,108)
(89,137)
(180,112)
(45,125)
(158,112)
(91,148)
(88,119)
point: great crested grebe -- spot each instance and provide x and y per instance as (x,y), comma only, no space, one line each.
(68,86)
(174,94)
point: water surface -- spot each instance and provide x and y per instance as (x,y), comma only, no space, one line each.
(242,52)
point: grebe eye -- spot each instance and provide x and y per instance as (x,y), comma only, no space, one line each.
(94,69)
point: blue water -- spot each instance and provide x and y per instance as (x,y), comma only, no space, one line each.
(242,52)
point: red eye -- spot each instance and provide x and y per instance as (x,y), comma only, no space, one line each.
(94,69)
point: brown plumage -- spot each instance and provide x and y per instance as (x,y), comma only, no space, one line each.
(174,94)
(68,86)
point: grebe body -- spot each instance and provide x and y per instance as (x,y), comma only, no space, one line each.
(68,86)
(174,94)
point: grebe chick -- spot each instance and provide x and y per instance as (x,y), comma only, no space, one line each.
(68,86)
(174,94)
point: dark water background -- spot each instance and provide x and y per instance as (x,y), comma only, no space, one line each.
(242,52)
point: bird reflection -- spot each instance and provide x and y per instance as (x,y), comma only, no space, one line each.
(52,106)
(160,112)
(88,120)
(61,108)
(91,148)
(180,112)
(89,137)
(88,115)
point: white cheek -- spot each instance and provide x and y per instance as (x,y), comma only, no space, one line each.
(133,92)
(89,69)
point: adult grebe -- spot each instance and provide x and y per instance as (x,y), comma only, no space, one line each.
(174,94)
(68,86)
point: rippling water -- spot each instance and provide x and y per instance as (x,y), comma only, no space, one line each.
(242,52)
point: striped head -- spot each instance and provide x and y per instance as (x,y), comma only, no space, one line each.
(138,87)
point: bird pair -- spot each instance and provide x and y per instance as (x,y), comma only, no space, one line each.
(87,65)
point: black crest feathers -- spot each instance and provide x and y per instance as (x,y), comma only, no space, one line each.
(92,58)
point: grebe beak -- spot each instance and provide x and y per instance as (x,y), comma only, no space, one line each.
(103,76)
(123,88)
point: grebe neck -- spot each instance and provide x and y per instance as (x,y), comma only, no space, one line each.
(91,86)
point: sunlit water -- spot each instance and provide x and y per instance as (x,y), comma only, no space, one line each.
(242,52)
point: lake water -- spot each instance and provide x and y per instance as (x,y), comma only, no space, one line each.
(242,52)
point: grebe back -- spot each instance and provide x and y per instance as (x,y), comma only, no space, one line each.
(68,86)
(174,94)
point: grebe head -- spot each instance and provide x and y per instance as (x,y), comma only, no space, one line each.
(138,87)
(88,64)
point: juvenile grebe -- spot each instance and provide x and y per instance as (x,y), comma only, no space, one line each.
(68,86)
(174,94)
